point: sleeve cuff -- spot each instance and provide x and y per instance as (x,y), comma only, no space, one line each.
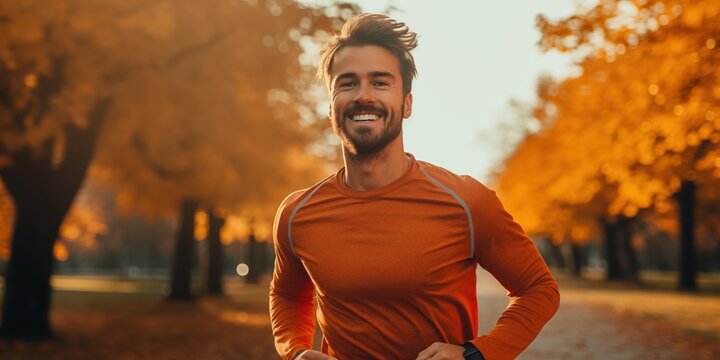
(300,354)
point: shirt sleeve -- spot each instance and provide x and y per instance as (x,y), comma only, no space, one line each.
(504,250)
(291,292)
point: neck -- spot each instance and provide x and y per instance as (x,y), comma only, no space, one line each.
(376,170)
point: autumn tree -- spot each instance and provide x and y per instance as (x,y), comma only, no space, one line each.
(198,103)
(637,130)
(228,110)
(41,126)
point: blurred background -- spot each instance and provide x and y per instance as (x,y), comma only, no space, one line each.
(145,146)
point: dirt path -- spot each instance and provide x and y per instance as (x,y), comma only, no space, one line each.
(582,330)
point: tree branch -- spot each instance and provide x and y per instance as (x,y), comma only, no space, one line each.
(196,48)
(166,174)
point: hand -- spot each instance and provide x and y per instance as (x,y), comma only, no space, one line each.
(315,355)
(442,351)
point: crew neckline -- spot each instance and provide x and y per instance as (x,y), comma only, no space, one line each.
(340,183)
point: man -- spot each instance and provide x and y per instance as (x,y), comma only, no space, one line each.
(388,246)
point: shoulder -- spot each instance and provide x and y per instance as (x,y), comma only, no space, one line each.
(464,185)
(296,199)
(291,200)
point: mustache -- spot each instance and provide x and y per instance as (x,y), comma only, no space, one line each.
(356,108)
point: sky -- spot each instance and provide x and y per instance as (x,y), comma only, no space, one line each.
(473,58)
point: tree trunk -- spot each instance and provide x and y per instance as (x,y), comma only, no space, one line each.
(619,254)
(614,270)
(42,193)
(27,280)
(629,257)
(252,259)
(556,250)
(213,280)
(686,206)
(578,259)
(180,279)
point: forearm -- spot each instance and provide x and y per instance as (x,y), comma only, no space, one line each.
(505,251)
(522,321)
(293,324)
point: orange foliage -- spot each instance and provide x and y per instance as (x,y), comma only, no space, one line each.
(216,108)
(214,102)
(84,222)
(639,119)
(60,251)
(7,212)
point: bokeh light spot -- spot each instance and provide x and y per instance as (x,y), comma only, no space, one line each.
(242,269)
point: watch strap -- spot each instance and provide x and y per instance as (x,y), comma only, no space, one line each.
(472,352)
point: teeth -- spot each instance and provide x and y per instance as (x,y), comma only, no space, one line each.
(364,117)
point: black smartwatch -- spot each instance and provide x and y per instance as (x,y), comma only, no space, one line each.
(471,352)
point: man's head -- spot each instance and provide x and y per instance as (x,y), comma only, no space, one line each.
(379,30)
(368,70)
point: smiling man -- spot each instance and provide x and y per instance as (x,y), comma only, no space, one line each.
(388,246)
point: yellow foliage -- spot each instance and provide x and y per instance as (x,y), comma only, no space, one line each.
(209,102)
(156,21)
(83,224)
(201,225)
(638,119)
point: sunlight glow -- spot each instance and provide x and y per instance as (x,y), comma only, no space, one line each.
(245,318)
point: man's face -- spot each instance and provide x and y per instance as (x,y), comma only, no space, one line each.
(366,99)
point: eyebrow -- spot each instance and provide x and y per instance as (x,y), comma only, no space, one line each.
(375,74)
(345,76)
(381,74)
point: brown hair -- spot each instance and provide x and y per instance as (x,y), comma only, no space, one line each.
(374,29)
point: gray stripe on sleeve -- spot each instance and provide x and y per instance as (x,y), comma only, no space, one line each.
(462,203)
(294,212)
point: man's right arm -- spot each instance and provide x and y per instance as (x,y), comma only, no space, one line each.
(291,291)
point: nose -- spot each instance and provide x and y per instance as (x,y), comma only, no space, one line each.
(364,94)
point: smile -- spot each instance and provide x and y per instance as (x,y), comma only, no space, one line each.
(364,117)
(369,113)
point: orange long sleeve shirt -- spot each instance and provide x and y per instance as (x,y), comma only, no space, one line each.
(393,269)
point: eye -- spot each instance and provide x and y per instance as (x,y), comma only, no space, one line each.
(346,84)
(380,83)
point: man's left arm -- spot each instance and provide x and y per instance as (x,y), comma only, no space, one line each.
(504,250)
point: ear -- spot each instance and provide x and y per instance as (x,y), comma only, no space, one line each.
(408,105)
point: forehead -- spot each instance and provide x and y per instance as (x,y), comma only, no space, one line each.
(365,59)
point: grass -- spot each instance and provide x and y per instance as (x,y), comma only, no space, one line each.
(131,325)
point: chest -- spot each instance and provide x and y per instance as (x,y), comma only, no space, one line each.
(389,246)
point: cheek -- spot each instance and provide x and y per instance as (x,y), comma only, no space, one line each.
(335,112)
(336,104)
(333,106)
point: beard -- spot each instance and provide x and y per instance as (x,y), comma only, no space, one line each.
(362,142)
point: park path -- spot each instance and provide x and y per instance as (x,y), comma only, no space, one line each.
(591,331)
(104,324)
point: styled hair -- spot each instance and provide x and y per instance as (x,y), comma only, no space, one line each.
(374,29)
